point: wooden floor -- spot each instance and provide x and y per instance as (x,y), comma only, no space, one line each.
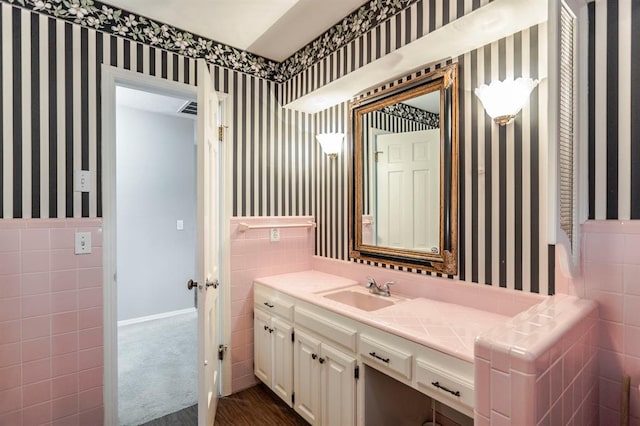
(253,406)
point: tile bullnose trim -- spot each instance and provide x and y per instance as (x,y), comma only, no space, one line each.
(611,226)
(533,332)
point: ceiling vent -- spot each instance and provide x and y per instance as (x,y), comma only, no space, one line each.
(190,107)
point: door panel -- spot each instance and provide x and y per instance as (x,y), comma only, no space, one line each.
(208,237)
(307,377)
(282,360)
(263,349)
(338,388)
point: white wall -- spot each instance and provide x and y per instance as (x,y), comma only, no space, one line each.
(156,186)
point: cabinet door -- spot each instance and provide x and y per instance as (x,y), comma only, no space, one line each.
(262,348)
(307,377)
(338,387)
(282,359)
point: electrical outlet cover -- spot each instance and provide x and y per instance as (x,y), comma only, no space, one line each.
(274,235)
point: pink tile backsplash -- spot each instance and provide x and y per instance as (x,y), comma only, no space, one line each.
(611,271)
(486,298)
(254,256)
(50,373)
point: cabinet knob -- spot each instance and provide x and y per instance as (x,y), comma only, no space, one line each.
(271,330)
(266,328)
(314,356)
(321,360)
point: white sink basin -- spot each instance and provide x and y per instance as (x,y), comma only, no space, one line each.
(360,298)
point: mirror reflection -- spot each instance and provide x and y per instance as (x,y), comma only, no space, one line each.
(404,173)
(401,166)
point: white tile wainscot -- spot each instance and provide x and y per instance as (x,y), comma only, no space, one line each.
(423,343)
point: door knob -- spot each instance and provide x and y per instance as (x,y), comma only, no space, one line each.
(191,284)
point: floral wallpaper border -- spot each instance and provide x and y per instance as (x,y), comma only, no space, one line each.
(119,22)
(350,28)
(113,21)
(429,119)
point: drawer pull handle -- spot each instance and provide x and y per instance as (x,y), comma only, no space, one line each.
(314,356)
(373,354)
(439,386)
(268,305)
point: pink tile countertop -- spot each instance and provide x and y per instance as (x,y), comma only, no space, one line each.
(533,335)
(443,326)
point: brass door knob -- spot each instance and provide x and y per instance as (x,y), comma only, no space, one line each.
(191,284)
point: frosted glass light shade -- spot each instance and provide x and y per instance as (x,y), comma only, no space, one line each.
(331,143)
(504,99)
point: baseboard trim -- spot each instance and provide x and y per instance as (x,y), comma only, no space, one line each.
(156,316)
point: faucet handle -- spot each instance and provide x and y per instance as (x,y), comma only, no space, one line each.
(371,282)
(388,283)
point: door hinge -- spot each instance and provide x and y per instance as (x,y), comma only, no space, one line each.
(293,336)
(356,372)
(221,350)
(221,132)
(293,398)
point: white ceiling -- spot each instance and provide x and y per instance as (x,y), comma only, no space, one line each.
(274,29)
(151,102)
(429,102)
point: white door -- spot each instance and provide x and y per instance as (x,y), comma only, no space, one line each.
(208,237)
(408,184)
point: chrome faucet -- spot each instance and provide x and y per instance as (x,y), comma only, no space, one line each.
(382,290)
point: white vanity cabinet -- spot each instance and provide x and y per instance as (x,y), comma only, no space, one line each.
(318,361)
(324,382)
(273,347)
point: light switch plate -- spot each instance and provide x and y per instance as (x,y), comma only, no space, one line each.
(83,242)
(82,181)
(274,235)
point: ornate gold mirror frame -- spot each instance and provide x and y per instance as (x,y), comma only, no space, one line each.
(444,259)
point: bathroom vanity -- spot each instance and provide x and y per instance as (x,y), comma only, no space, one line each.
(339,355)
(316,334)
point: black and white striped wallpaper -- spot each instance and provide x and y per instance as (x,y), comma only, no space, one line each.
(502,194)
(502,198)
(614,109)
(420,18)
(50,91)
(51,122)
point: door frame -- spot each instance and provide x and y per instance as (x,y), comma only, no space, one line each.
(112,77)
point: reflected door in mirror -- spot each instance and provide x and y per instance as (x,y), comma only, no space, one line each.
(407,210)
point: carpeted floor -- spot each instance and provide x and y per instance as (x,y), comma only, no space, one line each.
(156,368)
(253,406)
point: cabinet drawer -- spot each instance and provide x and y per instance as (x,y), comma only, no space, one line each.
(443,383)
(378,354)
(327,328)
(273,304)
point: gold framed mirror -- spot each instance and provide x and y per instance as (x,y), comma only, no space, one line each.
(404,174)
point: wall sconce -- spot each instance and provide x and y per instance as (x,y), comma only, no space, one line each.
(504,99)
(331,143)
